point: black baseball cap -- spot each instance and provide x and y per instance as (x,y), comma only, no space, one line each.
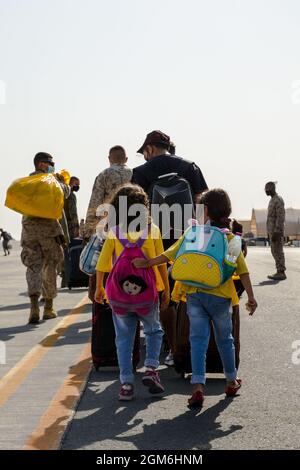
(156,138)
(43,157)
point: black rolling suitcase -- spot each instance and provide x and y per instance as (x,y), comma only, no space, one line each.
(182,352)
(104,352)
(74,276)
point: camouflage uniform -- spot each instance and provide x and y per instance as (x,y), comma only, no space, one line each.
(81,228)
(275,225)
(72,215)
(105,185)
(41,253)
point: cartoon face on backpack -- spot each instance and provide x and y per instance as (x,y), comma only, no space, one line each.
(133,285)
(131,289)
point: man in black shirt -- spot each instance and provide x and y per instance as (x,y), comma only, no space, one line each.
(158,152)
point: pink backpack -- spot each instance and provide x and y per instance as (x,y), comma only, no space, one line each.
(131,289)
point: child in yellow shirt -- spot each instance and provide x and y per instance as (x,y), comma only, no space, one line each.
(125,324)
(214,304)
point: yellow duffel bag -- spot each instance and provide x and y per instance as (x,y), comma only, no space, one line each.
(36,196)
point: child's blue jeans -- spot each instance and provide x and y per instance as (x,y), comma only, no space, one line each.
(201,308)
(125,327)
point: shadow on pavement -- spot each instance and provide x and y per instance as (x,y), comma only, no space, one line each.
(24,294)
(72,291)
(61,290)
(83,309)
(73,334)
(7,334)
(108,419)
(78,333)
(12,308)
(266,283)
(190,430)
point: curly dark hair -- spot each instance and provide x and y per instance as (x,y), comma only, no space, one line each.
(218,206)
(236,227)
(134,194)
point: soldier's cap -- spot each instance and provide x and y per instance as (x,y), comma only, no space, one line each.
(43,157)
(156,138)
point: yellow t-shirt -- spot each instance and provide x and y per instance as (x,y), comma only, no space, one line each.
(226,290)
(152,247)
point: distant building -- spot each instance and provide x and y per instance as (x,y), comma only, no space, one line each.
(292,223)
(246,226)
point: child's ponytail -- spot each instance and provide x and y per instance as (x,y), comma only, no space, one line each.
(218,206)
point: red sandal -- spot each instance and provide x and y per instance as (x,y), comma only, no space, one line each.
(232,391)
(196,400)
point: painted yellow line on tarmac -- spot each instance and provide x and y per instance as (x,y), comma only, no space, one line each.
(53,423)
(10,383)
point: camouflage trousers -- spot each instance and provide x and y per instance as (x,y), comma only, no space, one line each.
(278,255)
(42,256)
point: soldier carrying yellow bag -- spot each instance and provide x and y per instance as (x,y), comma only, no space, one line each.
(42,237)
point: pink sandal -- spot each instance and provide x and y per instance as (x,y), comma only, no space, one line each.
(126,392)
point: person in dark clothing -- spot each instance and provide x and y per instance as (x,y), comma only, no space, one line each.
(159,153)
(5,243)
(237,229)
(275,229)
(71,208)
(70,224)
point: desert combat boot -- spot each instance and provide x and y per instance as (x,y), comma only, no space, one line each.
(49,311)
(34,316)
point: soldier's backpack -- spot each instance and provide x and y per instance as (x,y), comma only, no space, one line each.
(171,189)
(203,259)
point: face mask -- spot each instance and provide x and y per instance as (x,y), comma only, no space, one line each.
(75,188)
(51,169)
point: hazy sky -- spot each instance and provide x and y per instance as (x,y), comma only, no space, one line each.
(221,77)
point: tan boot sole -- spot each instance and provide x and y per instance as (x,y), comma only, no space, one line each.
(49,316)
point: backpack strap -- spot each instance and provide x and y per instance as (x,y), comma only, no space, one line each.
(144,237)
(125,242)
(120,236)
